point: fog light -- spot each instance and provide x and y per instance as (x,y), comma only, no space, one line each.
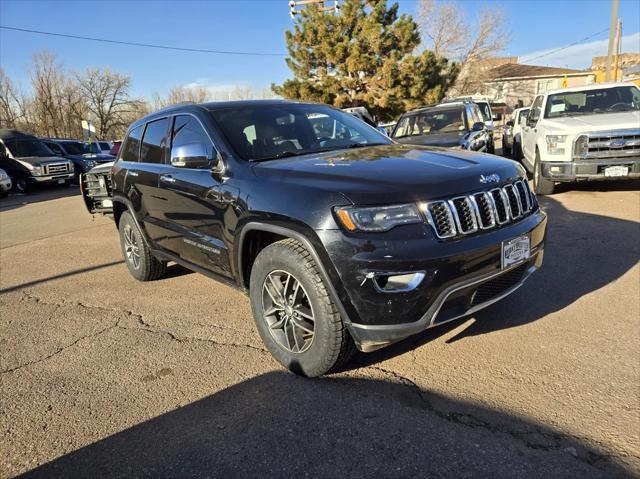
(398,282)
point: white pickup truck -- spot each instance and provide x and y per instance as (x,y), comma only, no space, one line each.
(583,133)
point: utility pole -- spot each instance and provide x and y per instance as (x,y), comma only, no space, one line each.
(618,52)
(323,8)
(614,17)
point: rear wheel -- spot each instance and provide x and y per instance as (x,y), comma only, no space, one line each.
(541,185)
(506,151)
(141,263)
(517,151)
(294,313)
(491,147)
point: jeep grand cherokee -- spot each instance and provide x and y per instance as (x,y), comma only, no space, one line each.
(340,236)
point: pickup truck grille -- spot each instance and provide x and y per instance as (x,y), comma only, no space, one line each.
(96,185)
(613,144)
(55,168)
(464,215)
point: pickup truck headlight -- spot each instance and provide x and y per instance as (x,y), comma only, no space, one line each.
(88,164)
(553,142)
(36,171)
(377,218)
(582,146)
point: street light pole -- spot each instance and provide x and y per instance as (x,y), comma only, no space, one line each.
(612,28)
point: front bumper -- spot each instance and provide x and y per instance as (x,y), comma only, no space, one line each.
(453,273)
(564,171)
(52,178)
(5,184)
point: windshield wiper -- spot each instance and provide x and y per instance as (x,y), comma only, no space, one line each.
(284,154)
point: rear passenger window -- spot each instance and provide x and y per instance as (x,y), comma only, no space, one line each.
(187,130)
(155,141)
(131,148)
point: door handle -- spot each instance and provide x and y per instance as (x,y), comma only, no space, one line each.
(167,179)
(133,173)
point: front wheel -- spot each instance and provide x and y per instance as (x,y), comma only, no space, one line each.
(20,184)
(491,147)
(141,263)
(541,185)
(294,313)
(506,151)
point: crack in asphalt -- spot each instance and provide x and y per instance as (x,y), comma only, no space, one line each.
(551,441)
(559,441)
(143,326)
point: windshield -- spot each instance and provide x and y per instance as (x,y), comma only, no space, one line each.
(91,148)
(26,148)
(522,114)
(274,131)
(74,147)
(486,111)
(605,100)
(431,121)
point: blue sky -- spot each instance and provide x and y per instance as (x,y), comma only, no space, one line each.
(258,26)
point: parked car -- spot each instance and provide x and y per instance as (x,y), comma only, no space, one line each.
(387,128)
(583,133)
(5,183)
(450,125)
(362,113)
(105,146)
(78,153)
(115,148)
(487,115)
(511,135)
(29,162)
(340,236)
(95,186)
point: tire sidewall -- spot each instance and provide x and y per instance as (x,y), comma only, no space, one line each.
(313,361)
(127,220)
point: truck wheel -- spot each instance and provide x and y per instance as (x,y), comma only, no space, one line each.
(20,184)
(491,147)
(506,151)
(517,152)
(142,265)
(295,316)
(541,185)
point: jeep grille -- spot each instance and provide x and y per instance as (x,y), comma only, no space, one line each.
(465,215)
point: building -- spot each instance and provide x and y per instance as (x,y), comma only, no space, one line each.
(516,85)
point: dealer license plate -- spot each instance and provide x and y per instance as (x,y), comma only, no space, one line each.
(616,171)
(515,250)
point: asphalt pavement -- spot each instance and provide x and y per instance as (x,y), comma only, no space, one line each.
(103,376)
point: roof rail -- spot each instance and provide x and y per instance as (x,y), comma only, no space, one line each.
(174,105)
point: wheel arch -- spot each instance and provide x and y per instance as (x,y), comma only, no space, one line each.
(265,234)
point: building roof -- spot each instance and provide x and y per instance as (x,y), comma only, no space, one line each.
(517,70)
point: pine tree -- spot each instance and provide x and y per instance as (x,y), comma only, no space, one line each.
(363,56)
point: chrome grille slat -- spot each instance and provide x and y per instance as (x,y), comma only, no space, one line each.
(464,215)
(604,144)
(55,168)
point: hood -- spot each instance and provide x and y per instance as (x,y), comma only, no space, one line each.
(596,122)
(436,139)
(102,168)
(100,157)
(40,160)
(390,173)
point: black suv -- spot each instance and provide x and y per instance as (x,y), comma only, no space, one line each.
(449,125)
(340,236)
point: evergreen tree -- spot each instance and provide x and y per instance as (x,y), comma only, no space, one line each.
(363,56)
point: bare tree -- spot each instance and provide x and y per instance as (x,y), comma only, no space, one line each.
(446,32)
(106,94)
(12,104)
(48,83)
(181,94)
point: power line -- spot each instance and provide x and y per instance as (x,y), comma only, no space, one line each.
(567,46)
(138,44)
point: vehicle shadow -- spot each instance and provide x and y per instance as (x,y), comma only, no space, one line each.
(568,273)
(281,425)
(41,193)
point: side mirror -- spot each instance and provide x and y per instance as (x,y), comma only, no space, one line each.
(191,155)
(509,123)
(478,126)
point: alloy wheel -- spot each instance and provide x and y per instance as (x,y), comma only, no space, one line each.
(131,248)
(288,312)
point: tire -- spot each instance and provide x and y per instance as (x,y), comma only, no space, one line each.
(309,347)
(21,184)
(516,151)
(541,185)
(491,148)
(142,265)
(506,151)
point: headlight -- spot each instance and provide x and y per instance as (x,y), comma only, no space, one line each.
(552,144)
(88,164)
(582,146)
(36,171)
(377,218)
